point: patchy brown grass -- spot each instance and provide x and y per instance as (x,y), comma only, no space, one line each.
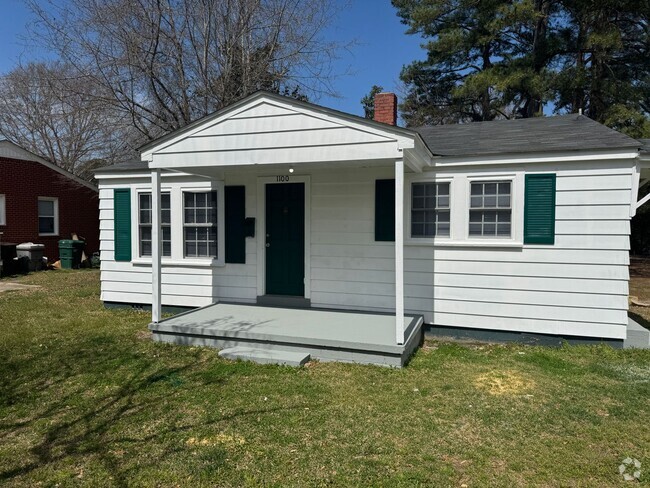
(504,383)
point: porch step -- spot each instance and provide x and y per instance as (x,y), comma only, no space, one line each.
(265,356)
(638,337)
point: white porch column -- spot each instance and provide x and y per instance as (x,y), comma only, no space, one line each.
(156,247)
(399,251)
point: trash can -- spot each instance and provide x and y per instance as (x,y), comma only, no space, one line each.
(34,252)
(70,252)
(7,255)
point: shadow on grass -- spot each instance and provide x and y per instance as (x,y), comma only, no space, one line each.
(78,426)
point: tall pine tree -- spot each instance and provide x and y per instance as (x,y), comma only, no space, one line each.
(511,58)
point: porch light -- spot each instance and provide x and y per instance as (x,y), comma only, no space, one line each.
(290,169)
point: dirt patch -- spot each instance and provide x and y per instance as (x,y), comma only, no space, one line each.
(13,286)
(504,383)
(143,335)
(640,266)
(218,439)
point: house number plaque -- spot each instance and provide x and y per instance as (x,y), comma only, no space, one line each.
(282,179)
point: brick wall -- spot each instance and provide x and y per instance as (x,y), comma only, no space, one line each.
(22,182)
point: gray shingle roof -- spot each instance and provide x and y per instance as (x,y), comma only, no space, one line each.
(122,167)
(645,146)
(541,134)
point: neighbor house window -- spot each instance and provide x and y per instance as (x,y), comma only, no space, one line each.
(3,210)
(430,209)
(145,224)
(200,224)
(48,216)
(490,213)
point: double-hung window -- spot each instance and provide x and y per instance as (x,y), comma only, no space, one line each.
(430,209)
(200,224)
(145,224)
(490,212)
(48,216)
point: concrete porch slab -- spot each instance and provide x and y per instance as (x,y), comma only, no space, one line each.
(326,335)
(638,337)
(263,356)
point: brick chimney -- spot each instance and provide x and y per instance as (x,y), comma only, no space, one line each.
(386,108)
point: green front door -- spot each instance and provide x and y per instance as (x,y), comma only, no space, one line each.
(285,239)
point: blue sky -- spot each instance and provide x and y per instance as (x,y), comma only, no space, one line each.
(381,48)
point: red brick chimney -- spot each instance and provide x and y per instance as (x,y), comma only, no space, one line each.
(386,108)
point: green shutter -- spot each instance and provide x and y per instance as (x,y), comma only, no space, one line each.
(122,223)
(235,210)
(539,211)
(385,210)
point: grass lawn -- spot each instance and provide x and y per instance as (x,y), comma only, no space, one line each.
(87,399)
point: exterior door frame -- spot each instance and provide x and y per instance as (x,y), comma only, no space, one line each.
(260,230)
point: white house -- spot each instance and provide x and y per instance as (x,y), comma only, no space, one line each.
(515,226)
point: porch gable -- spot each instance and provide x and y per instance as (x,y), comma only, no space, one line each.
(265,129)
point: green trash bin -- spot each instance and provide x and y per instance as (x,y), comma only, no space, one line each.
(70,252)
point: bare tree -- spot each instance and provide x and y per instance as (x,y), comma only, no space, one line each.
(164,63)
(51,111)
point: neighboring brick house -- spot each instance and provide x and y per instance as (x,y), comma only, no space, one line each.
(42,203)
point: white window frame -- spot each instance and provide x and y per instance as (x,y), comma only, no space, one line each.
(516,237)
(408,196)
(143,191)
(219,187)
(459,206)
(176,190)
(496,208)
(407,210)
(3,209)
(55,202)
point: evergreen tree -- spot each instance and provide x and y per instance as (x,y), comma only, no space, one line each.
(511,58)
(368,102)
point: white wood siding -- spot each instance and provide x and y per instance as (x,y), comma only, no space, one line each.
(343,238)
(182,285)
(577,287)
(272,132)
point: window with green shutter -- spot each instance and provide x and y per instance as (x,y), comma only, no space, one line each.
(385,210)
(235,217)
(539,210)
(122,223)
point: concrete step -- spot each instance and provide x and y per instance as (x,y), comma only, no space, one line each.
(638,337)
(265,356)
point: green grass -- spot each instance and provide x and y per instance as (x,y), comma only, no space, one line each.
(87,399)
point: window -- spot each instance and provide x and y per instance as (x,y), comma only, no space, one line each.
(430,213)
(145,224)
(200,224)
(48,216)
(3,210)
(490,213)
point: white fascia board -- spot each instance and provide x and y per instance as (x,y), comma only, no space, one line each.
(26,155)
(404,137)
(332,154)
(140,175)
(532,158)
(418,157)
